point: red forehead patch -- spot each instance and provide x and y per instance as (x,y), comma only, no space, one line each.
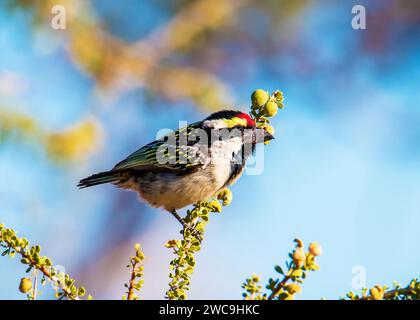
(248,119)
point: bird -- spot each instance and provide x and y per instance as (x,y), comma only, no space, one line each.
(188,165)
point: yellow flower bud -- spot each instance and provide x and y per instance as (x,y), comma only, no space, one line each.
(259,97)
(226,196)
(315,249)
(298,242)
(269,129)
(278,95)
(293,288)
(215,205)
(377,293)
(270,108)
(25,285)
(289,297)
(299,256)
(255,278)
(171,244)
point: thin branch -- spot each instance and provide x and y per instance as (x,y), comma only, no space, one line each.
(182,266)
(136,273)
(278,288)
(46,272)
(131,293)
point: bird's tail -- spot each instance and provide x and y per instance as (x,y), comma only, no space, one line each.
(99,178)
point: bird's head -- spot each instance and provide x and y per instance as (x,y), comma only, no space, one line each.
(231,120)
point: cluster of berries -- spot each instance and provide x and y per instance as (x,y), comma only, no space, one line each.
(265,106)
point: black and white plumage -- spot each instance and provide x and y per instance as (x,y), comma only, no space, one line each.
(194,168)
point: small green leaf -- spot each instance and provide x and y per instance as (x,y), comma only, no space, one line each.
(278,269)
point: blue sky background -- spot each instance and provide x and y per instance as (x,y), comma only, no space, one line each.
(343,170)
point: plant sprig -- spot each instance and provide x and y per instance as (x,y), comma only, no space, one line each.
(136,273)
(378,292)
(265,106)
(62,283)
(286,287)
(182,266)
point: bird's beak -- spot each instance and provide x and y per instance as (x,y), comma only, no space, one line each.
(268,136)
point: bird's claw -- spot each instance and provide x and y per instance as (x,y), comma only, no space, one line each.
(197,234)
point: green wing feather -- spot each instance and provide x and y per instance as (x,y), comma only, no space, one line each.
(175,157)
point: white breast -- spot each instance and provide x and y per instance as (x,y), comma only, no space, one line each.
(222,153)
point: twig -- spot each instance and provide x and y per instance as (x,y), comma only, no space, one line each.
(136,265)
(182,266)
(278,288)
(30,256)
(301,263)
(48,274)
(131,293)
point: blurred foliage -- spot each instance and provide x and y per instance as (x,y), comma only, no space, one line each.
(18,127)
(151,62)
(117,64)
(190,46)
(66,146)
(74,143)
(186,47)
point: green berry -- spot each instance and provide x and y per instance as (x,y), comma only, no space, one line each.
(377,293)
(293,288)
(270,108)
(315,249)
(259,98)
(25,285)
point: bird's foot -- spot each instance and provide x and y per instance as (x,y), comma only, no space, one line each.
(187,227)
(197,234)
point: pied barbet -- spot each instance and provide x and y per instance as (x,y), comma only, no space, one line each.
(189,165)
